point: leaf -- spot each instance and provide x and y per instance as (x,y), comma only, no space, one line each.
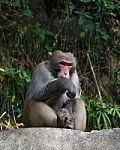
(88,27)
(1,77)
(81,20)
(112,82)
(88,16)
(98,120)
(2,70)
(105,120)
(77,12)
(13,98)
(82,34)
(28,79)
(118,112)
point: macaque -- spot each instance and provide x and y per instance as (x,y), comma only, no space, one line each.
(53,97)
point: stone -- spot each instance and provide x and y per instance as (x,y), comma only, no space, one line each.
(59,139)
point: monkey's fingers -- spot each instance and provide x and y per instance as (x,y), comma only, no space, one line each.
(64,119)
(69,124)
(61,117)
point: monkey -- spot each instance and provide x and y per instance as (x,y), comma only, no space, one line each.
(53,96)
(69,116)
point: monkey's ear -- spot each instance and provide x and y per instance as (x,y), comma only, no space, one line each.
(49,54)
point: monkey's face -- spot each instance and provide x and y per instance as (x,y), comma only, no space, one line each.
(65,67)
(62,64)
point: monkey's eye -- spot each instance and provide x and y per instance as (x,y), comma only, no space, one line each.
(72,70)
(57,70)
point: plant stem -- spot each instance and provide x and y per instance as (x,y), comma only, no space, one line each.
(98,89)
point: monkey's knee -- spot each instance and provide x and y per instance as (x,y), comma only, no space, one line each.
(80,114)
(38,114)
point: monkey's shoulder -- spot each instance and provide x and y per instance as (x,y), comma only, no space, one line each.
(42,72)
(42,66)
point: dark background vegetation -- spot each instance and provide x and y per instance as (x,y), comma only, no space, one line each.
(88,28)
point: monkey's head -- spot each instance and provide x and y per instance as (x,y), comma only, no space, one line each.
(62,64)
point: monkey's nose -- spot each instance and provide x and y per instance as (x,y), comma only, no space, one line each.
(66,75)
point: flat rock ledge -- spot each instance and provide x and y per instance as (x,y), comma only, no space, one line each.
(59,139)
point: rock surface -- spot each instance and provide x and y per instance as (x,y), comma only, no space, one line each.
(59,139)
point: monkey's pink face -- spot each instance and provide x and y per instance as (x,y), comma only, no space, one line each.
(65,67)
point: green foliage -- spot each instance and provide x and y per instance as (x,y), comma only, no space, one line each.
(10,6)
(19,36)
(13,83)
(26,11)
(101,115)
(27,41)
(95,29)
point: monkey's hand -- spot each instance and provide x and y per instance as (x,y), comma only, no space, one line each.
(69,87)
(64,119)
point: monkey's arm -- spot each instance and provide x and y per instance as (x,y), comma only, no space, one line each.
(75,80)
(44,86)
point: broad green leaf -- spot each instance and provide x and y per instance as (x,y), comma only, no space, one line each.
(81,20)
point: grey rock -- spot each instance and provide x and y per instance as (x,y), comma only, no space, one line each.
(59,139)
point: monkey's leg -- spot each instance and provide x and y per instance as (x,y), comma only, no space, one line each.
(79,113)
(73,115)
(38,114)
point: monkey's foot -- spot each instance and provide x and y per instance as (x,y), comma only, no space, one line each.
(64,119)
